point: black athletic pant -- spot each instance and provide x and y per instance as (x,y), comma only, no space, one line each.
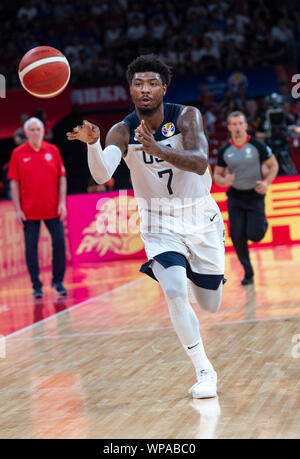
(31,233)
(247,222)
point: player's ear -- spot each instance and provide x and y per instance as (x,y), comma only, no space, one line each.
(164,89)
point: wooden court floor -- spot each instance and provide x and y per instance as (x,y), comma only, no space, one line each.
(106,363)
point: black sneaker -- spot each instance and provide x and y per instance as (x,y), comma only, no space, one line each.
(37,293)
(247,280)
(59,288)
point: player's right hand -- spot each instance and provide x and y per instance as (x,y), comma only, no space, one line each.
(87,132)
(229,179)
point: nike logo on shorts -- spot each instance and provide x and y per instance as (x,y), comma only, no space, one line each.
(211,219)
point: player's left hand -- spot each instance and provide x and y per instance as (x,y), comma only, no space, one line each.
(148,143)
(62,211)
(261,187)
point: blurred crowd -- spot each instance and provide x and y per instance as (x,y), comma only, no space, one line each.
(215,112)
(101,37)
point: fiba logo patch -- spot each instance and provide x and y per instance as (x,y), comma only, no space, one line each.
(48,156)
(168,129)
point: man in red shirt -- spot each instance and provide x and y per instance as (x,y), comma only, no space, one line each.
(38,190)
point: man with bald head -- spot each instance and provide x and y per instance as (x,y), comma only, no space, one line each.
(38,189)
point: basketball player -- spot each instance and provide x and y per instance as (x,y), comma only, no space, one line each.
(166,151)
(239,166)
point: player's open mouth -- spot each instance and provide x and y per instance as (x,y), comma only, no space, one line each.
(145,100)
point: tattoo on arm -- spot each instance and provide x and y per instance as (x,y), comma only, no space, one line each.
(118,135)
(193,157)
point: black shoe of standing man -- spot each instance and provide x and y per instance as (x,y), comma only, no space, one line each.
(37,293)
(59,288)
(247,280)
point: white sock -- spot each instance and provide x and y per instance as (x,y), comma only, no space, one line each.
(198,356)
(174,284)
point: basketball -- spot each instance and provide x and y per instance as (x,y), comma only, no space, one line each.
(44,72)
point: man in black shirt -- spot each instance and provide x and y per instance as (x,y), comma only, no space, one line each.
(239,166)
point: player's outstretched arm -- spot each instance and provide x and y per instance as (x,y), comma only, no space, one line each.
(102,163)
(87,132)
(193,157)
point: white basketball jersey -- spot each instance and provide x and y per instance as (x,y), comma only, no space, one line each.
(155,179)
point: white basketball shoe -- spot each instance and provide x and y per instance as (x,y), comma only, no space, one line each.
(206,385)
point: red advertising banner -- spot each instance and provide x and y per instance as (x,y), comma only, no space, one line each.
(101,97)
(12,250)
(282,206)
(105,226)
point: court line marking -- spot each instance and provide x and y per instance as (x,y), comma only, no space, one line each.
(75,306)
(151,329)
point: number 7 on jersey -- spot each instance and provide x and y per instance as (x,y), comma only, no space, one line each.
(170,172)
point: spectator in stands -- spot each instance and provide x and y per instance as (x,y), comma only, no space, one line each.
(135,10)
(168,56)
(260,32)
(196,9)
(194,55)
(113,35)
(242,19)
(73,47)
(219,6)
(172,15)
(273,52)
(195,25)
(28,12)
(231,55)
(231,106)
(210,120)
(253,116)
(216,35)
(82,66)
(19,135)
(206,97)
(63,10)
(99,9)
(231,34)
(52,39)
(209,49)
(159,27)
(92,46)
(281,32)
(285,91)
(137,30)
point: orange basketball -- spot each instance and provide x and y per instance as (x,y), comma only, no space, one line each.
(44,72)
